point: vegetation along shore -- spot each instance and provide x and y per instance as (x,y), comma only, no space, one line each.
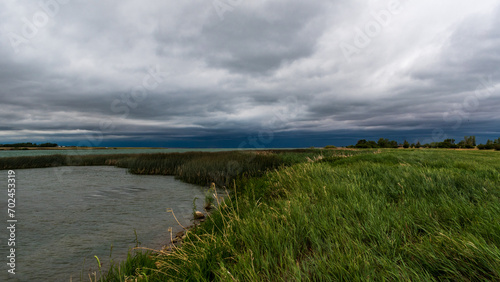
(324,214)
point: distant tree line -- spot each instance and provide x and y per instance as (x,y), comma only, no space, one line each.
(490,144)
(469,142)
(29,144)
(382,143)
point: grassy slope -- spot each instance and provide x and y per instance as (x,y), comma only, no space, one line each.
(406,215)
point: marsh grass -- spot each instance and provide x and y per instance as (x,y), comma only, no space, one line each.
(139,265)
(201,168)
(210,196)
(396,215)
(323,215)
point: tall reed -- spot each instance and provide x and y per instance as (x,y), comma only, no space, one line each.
(409,215)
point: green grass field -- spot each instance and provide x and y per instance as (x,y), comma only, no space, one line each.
(323,215)
(391,214)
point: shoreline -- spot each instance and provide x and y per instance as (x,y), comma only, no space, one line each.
(301,214)
(76,148)
(287,196)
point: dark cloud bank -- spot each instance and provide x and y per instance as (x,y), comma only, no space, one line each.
(247,73)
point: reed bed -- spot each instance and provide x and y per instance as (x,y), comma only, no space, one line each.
(410,215)
(201,168)
(324,215)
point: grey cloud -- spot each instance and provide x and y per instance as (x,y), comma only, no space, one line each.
(269,65)
(257,41)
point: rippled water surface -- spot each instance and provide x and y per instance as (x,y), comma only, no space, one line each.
(67,215)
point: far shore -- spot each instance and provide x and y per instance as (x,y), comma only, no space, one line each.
(74,148)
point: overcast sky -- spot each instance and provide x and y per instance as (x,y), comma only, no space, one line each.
(241,73)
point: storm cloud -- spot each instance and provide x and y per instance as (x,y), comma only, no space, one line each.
(226,73)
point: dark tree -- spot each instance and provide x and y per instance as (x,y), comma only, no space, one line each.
(406,145)
(470,141)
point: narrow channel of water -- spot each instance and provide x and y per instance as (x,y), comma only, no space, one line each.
(67,215)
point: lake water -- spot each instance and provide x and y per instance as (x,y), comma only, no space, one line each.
(67,215)
(21,153)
